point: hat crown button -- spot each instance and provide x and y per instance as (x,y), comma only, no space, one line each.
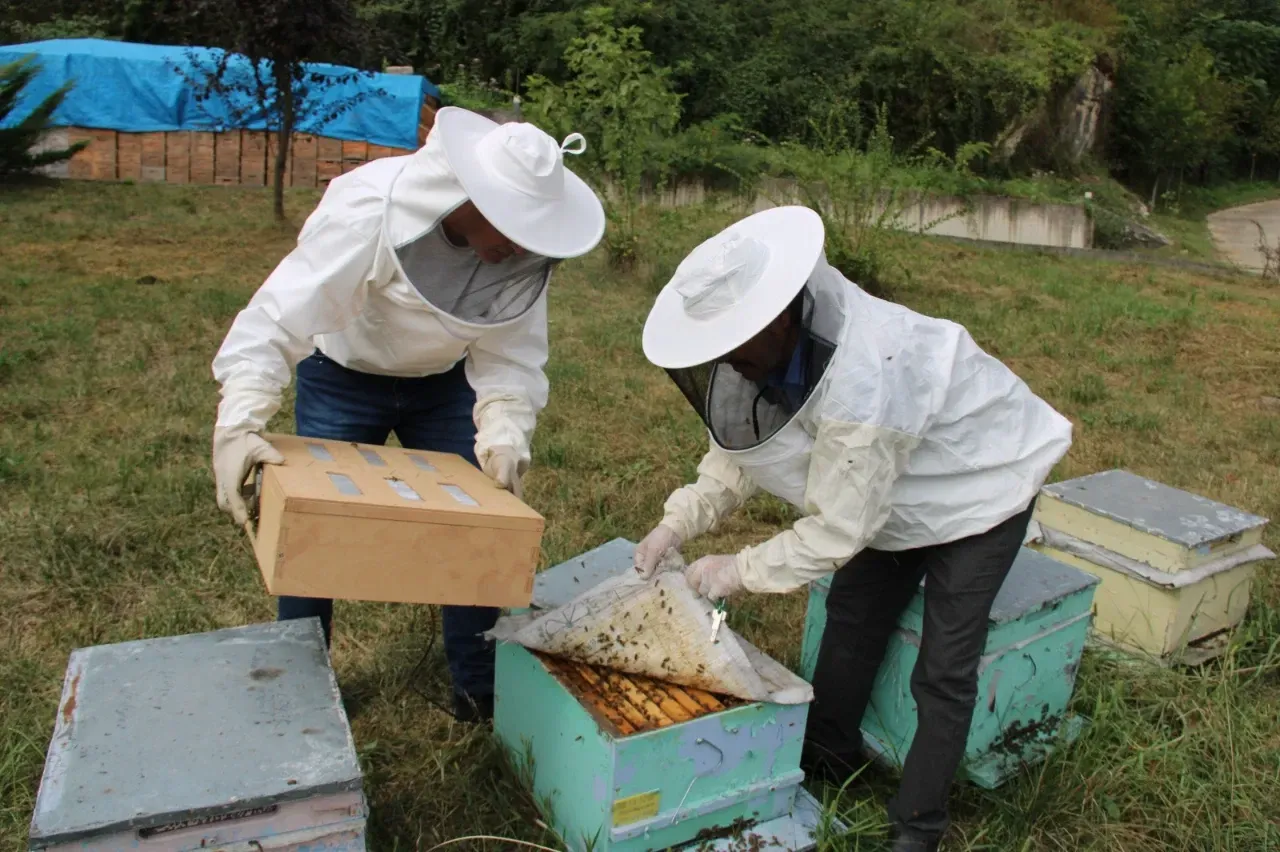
(536,153)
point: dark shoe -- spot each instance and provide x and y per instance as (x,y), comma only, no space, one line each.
(472,709)
(830,768)
(907,843)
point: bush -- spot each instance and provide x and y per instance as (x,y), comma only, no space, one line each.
(855,187)
(625,106)
(17,140)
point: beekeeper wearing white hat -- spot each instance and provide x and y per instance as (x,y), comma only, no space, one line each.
(415,303)
(909,451)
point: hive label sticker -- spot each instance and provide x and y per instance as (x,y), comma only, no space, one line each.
(345,484)
(404,489)
(636,808)
(422,463)
(459,495)
(371,457)
(319,452)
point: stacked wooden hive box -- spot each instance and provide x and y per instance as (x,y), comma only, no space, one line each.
(1175,568)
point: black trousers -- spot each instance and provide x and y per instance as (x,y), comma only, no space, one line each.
(867,597)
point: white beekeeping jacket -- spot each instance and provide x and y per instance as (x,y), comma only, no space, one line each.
(345,290)
(912,437)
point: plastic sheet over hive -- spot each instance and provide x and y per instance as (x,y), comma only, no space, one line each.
(659,629)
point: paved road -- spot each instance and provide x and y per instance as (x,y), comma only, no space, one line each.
(1236,235)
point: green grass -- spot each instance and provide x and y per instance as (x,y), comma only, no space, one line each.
(108,530)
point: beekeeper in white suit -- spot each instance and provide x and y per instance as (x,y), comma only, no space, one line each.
(415,302)
(910,452)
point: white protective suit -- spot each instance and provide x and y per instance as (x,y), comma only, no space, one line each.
(913,436)
(343,289)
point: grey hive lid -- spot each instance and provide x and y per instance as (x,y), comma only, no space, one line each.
(161,730)
(1034,582)
(1150,507)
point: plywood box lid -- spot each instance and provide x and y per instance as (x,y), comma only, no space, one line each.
(162,731)
(1158,510)
(344,479)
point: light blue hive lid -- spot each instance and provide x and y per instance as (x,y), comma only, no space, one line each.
(1154,508)
(157,731)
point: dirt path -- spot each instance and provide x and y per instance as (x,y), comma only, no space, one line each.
(1236,235)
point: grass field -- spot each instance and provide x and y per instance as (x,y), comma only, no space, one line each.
(113,300)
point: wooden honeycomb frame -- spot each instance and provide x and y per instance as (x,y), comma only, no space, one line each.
(626,704)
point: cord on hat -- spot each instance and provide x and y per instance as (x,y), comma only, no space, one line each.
(571,139)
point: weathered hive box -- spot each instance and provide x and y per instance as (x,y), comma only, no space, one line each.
(621,763)
(231,740)
(1036,636)
(357,522)
(1176,568)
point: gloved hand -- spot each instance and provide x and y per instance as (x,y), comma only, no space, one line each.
(715,577)
(234,455)
(504,466)
(653,547)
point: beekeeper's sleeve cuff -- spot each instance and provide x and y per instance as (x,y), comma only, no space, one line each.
(847,501)
(247,406)
(505,367)
(721,489)
(504,421)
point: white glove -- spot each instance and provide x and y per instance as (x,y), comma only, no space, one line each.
(234,455)
(715,577)
(504,466)
(653,547)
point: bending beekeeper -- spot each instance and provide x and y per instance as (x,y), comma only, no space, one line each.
(415,302)
(910,452)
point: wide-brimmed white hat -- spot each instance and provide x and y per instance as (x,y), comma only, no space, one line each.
(732,286)
(514,174)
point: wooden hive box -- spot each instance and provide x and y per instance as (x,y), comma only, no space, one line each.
(1176,568)
(357,522)
(1036,635)
(619,763)
(235,739)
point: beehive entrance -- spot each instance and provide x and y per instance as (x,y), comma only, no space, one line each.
(630,704)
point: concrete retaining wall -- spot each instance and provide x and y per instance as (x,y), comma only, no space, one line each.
(987,218)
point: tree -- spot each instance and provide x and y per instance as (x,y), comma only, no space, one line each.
(17,138)
(623,104)
(264,64)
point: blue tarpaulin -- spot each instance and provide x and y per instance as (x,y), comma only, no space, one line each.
(146,88)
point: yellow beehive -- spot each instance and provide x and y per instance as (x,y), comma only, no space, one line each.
(1175,568)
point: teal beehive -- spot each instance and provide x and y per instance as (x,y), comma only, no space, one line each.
(624,764)
(1036,635)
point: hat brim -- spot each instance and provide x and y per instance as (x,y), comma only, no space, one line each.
(674,340)
(568,227)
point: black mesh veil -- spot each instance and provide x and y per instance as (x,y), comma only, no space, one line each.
(459,284)
(742,414)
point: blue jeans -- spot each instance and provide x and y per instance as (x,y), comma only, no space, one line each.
(432,413)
